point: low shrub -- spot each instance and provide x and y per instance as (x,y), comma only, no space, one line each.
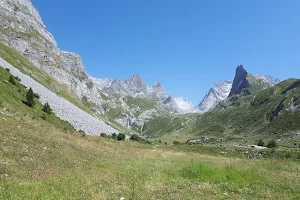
(121,136)
(82,132)
(36,95)
(135,137)
(260,143)
(43,117)
(272,144)
(114,136)
(103,135)
(17,78)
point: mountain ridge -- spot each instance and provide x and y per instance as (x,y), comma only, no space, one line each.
(22,28)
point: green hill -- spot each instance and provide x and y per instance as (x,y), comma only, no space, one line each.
(258,112)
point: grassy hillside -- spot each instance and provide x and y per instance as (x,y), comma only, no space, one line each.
(39,161)
(163,125)
(11,103)
(17,60)
(270,113)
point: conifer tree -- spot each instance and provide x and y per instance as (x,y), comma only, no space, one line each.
(30,98)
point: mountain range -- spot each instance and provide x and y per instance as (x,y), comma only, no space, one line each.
(126,105)
(22,28)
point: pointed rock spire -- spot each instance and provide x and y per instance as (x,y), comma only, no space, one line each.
(240,81)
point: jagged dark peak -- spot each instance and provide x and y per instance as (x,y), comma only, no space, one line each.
(240,81)
(240,68)
(168,100)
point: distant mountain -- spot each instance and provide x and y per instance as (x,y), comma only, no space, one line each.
(269,79)
(243,81)
(256,110)
(182,105)
(217,93)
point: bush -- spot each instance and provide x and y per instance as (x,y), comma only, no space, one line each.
(47,109)
(30,98)
(103,135)
(121,136)
(272,144)
(12,80)
(17,78)
(43,117)
(7,69)
(114,136)
(260,143)
(135,137)
(83,134)
(176,143)
(36,95)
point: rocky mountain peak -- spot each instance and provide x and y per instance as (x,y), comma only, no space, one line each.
(136,84)
(157,85)
(136,78)
(240,81)
(216,94)
(240,68)
(269,79)
(184,106)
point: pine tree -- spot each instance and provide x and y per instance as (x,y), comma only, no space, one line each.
(47,109)
(12,80)
(30,98)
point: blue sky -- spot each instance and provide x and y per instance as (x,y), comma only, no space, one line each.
(186,45)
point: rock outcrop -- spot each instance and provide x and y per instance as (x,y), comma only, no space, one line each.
(240,81)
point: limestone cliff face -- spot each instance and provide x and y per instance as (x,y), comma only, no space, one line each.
(22,28)
(214,96)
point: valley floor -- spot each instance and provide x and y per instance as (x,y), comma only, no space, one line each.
(42,162)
